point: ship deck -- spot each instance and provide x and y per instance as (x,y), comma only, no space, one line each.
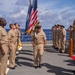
(54,63)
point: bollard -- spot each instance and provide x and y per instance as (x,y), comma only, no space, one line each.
(71,47)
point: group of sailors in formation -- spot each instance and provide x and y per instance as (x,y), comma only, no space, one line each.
(9,42)
(59,37)
(71,31)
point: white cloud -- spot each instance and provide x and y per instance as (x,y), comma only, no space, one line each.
(7,5)
(19,14)
(22,2)
(51,12)
(63,16)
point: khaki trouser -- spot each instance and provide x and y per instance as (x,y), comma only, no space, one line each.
(18,42)
(39,49)
(57,38)
(59,43)
(54,39)
(3,60)
(63,45)
(12,54)
(54,42)
(73,36)
(74,43)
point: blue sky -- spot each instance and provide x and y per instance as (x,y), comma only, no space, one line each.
(51,12)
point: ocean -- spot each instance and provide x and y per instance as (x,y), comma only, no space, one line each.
(48,32)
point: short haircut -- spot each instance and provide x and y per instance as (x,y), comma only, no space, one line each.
(15,23)
(10,25)
(3,21)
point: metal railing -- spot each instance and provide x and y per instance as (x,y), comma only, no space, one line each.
(48,32)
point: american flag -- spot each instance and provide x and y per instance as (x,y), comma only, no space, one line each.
(32,17)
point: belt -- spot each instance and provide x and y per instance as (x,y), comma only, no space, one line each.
(13,41)
(38,43)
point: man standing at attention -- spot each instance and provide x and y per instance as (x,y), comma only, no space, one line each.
(3,47)
(63,38)
(18,32)
(12,41)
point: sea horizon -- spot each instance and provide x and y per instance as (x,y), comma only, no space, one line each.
(48,32)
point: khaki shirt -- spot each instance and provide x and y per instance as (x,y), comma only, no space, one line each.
(63,33)
(59,34)
(54,33)
(40,37)
(12,36)
(3,36)
(18,34)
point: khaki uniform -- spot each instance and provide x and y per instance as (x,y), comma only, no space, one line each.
(70,34)
(55,39)
(39,48)
(3,58)
(74,39)
(12,37)
(63,40)
(53,36)
(18,37)
(59,39)
(34,46)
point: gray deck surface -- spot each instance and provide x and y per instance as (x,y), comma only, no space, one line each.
(54,63)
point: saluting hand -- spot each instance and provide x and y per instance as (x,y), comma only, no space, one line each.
(10,47)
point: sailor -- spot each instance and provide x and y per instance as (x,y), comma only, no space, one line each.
(63,38)
(3,47)
(40,43)
(12,41)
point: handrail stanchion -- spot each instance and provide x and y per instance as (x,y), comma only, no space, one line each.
(71,47)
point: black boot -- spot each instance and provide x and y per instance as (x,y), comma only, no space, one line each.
(40,66)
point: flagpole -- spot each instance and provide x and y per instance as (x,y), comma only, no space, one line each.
(32,16)
(30,2)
